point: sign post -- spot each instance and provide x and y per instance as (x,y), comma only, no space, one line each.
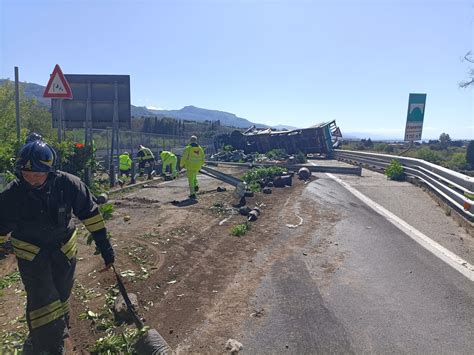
(415,115)
(17,105)
(58,88)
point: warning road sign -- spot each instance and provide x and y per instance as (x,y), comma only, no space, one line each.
(58,87)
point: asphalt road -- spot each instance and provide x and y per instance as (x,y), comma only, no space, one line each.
(372,289)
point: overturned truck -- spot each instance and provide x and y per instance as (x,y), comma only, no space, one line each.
(320,139)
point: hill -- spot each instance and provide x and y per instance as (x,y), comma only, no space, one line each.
(32,90)
(187,113)
(192,113)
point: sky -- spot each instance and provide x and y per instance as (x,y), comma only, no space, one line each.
(291,62)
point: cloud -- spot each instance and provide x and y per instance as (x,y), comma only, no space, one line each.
(154,108)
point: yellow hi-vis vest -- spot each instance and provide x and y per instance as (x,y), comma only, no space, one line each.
(165,156)
(125,163)
(193,157)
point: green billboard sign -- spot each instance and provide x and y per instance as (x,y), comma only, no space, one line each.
(415,115)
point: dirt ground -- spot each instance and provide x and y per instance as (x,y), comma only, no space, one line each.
(192,277)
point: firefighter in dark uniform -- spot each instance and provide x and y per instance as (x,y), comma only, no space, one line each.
(36,209)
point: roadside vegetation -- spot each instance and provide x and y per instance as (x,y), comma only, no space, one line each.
(240,229)
(257,178)
(456,155)
(395,171)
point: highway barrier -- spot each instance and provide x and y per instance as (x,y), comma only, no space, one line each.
(454,188)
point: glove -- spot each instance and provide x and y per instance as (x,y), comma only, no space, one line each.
(103,244)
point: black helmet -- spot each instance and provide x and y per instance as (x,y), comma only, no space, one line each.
(36,156)
(33,136)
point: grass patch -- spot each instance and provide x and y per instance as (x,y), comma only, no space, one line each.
(118,343)
(10,279)
(240,229)
(151,235)
(11,341)
(218,207)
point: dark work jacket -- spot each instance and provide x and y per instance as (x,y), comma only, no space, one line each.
(43,216)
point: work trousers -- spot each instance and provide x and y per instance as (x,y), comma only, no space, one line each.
(146,167)
(125,172)
(48,281)
(171,162)
(192,181)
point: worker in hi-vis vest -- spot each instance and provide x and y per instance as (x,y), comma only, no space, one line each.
(192,161)
(146,161)
(125,163)
(168,159)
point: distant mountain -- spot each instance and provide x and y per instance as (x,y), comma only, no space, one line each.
(187,113)
(282,127)
(193,113)
(32,91)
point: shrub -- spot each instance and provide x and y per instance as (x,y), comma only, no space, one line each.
(256,176)
(389,149)
(107,209)
(276,154)
(430,155)
(301,158)
(380,147)
(395,171)
(470,154)
(457,162)
(240,229)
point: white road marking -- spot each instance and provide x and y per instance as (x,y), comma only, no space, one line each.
(441,252)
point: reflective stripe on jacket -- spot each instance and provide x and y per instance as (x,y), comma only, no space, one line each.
(28,251)
(145,154)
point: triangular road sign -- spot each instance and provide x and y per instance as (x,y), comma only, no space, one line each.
(58,87)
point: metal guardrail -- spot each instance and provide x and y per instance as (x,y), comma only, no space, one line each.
(318,168)
(216,174)
(454,188)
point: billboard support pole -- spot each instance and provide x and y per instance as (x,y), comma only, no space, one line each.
(116,119)
(87,134)
(60,120)
(115,137)
(132,171)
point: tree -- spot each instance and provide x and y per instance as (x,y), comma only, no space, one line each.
(470,154)
(33,118)
(457,162)
(470,59)
(444,140)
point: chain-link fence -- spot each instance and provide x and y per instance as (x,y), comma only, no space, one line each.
(129,141)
